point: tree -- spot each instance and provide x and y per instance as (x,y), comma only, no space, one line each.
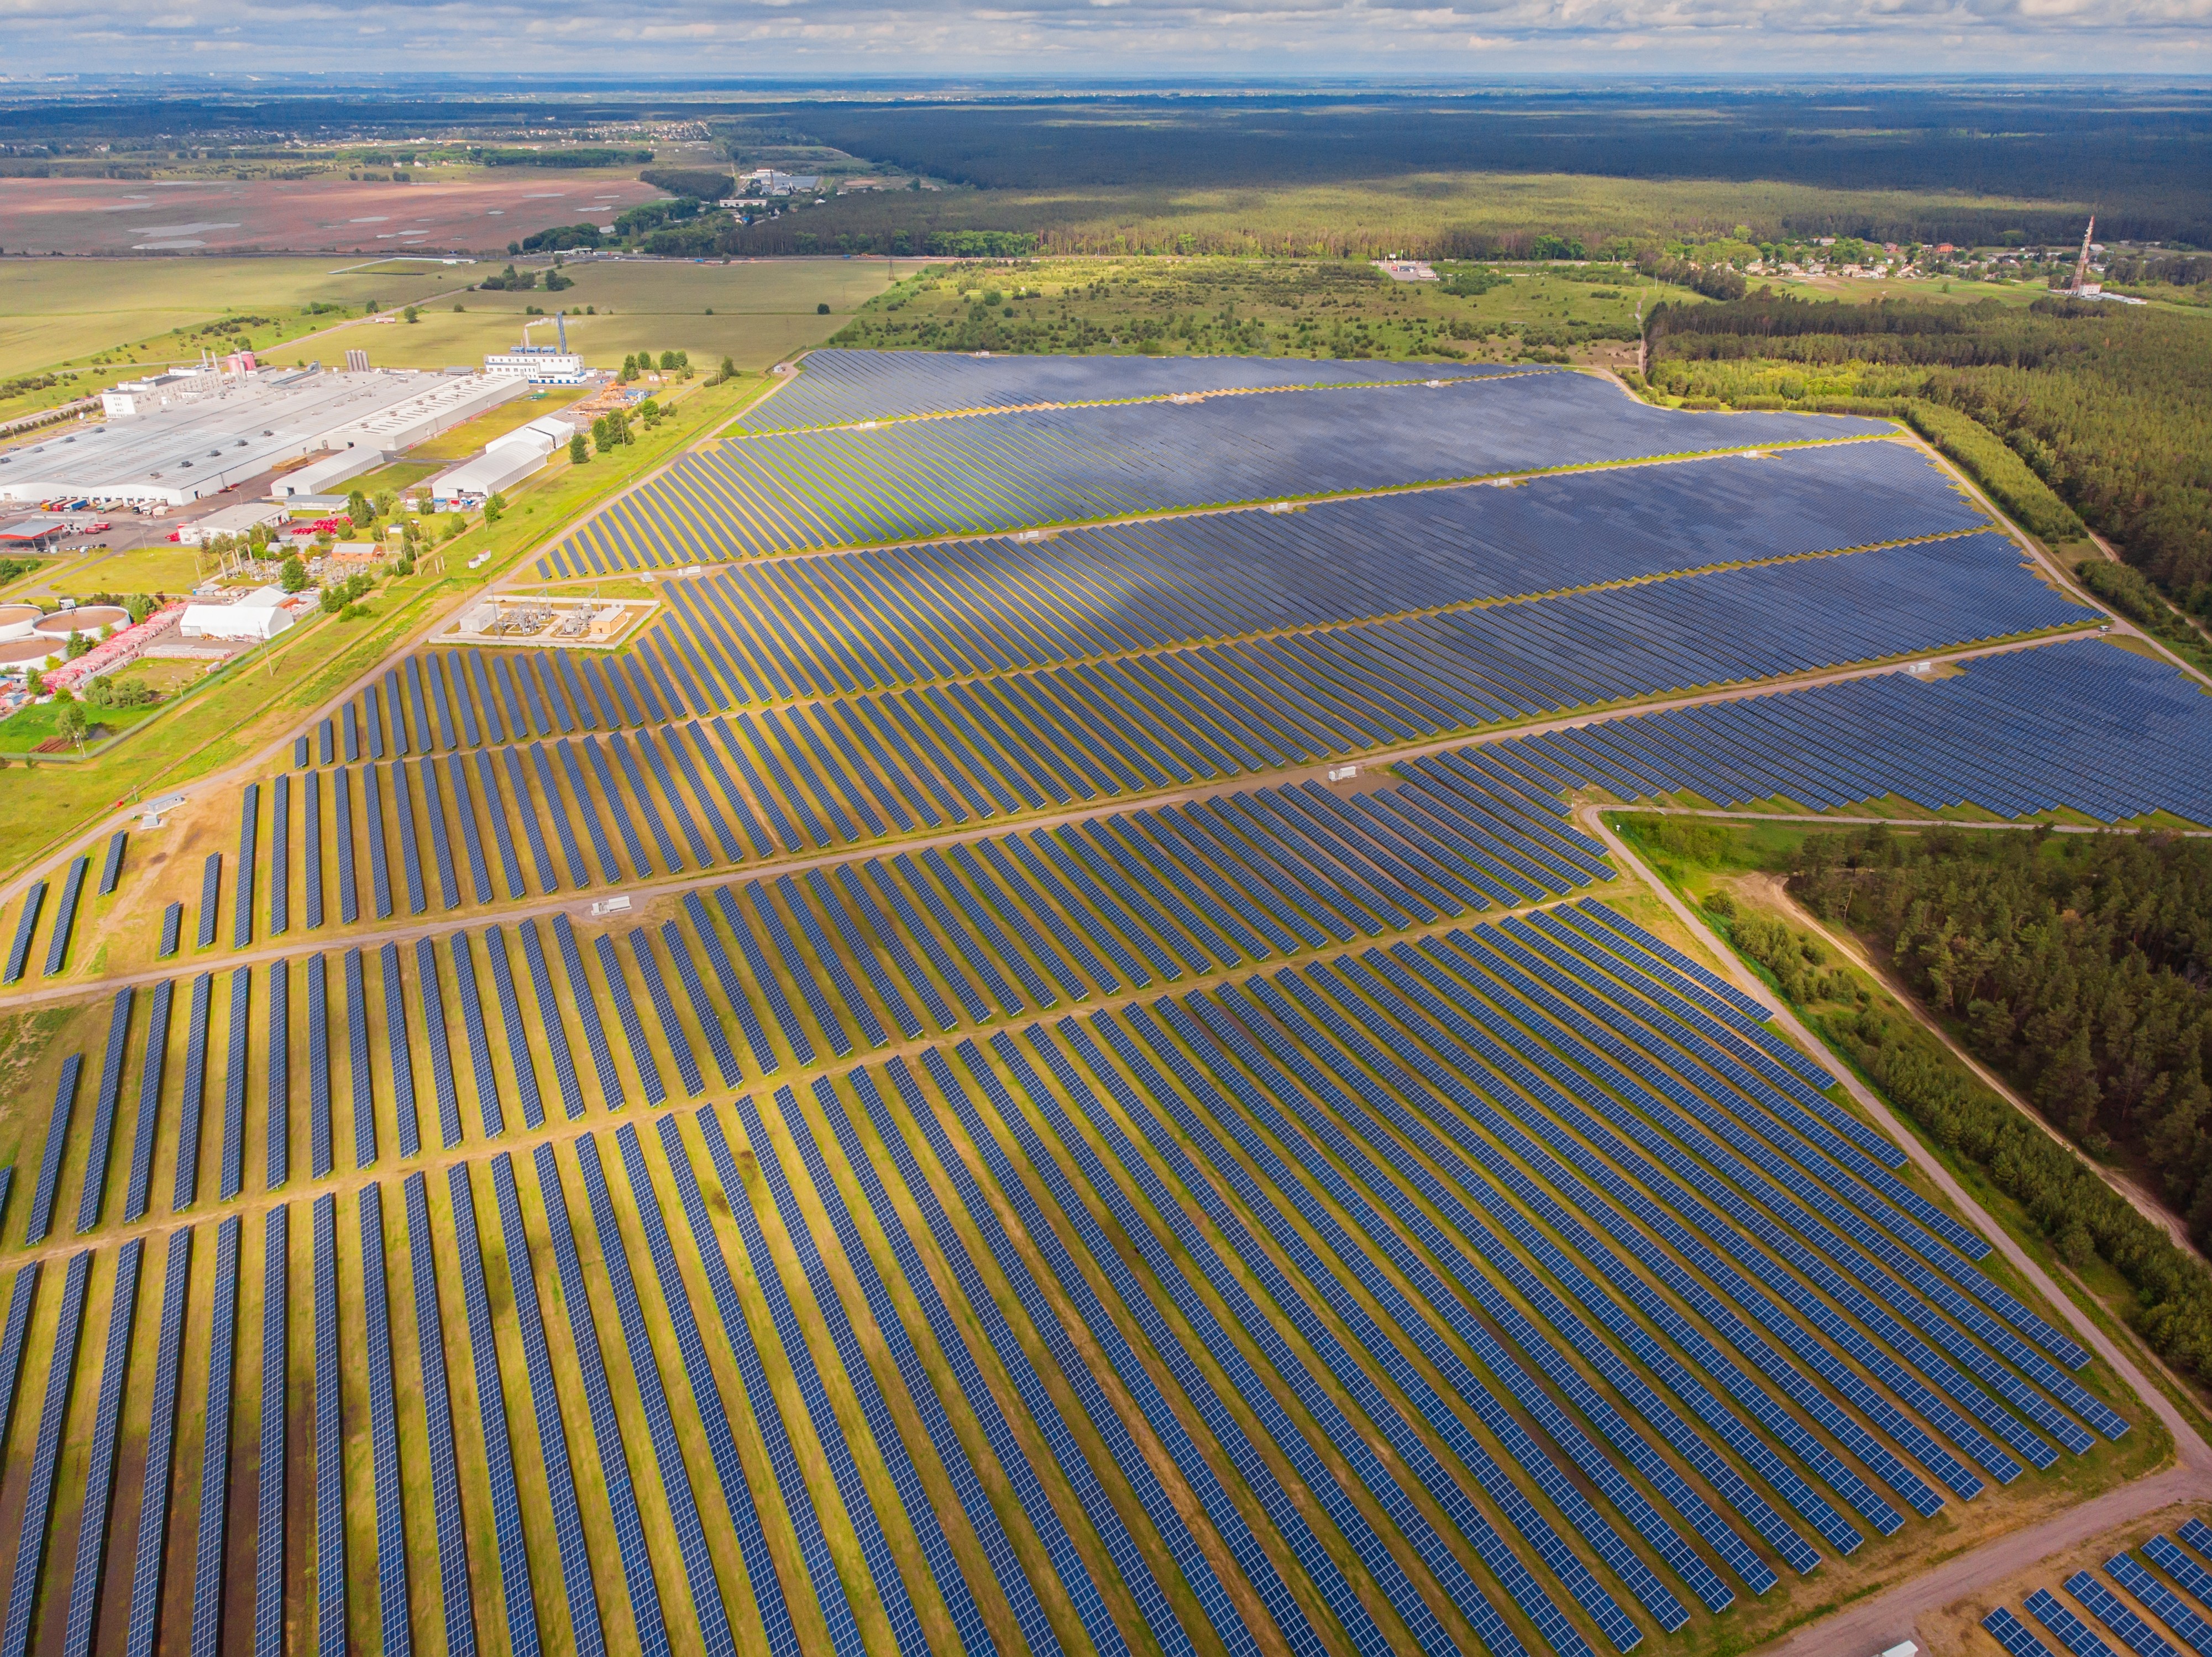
(292,576)
(577,454)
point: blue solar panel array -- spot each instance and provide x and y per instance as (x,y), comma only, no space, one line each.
(95,1510)
(438,1422)
(872,620)
(150,1554)
(832,386)
(2082,726)
(330,1437)
(613,1457)
(508,1529)
(395,1628)
(212,1529)
(46,1457)
(1003,471)
(57,941)
(154,1046)
(588,1637)
(269,1533)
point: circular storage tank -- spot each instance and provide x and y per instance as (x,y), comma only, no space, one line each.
(33,652)
(85,618)
(17,621)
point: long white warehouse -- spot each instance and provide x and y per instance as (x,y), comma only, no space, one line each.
(197,436)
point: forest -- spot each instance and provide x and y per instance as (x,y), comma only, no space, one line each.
(2072,965)
(2150,178)
(2075,964)
(2110,405)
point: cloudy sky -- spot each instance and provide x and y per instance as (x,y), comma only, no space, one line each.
(1088,38)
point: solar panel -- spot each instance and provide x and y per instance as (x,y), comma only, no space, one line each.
(480,1055)
(586,1633)
(38,1498)
(393,1616)
(208,1558)
(155,1047)
(50,1160)
(585,1001)
(241,925)
(399,1050)
(19,952)
(664,1007)
(520,1066)
(94,1194)
(438,1420)
(342,815)
(318,1068)
(1228,1522)
(982,1405)
(280,1067)
(2015,1636)
(96,1509)
(110,867)
(65,914)
(151,1552)
(280,858)
(614,1477)
(329,1437)
(275,1410)
(706,1398)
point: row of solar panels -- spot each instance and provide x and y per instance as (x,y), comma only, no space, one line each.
(840,623)
(2083,726)
(834,387)
(1312,1062)
(480,696)
(923,480)
(2171,1614)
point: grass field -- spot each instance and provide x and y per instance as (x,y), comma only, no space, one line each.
(760,313)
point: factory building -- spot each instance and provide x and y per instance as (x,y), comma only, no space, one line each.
(181,437)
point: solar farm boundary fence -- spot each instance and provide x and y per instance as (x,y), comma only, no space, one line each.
(1376,759)
(546,577)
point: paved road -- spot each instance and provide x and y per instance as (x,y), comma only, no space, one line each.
(1875,1625)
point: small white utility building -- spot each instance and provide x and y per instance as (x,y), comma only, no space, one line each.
(260,615)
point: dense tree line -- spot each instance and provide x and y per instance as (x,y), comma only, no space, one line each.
(2110,405)
(2092,937)
(2077,964)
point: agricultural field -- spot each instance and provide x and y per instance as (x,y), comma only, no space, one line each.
(1052,1053)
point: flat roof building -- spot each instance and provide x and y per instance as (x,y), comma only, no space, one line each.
(541,365)
(186,437)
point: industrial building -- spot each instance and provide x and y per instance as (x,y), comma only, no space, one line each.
(178,438)
(541,365)
(504,462)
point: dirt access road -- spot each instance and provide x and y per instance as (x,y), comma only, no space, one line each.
(1876,1623)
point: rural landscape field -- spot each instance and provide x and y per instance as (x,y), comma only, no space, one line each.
(1134,872)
